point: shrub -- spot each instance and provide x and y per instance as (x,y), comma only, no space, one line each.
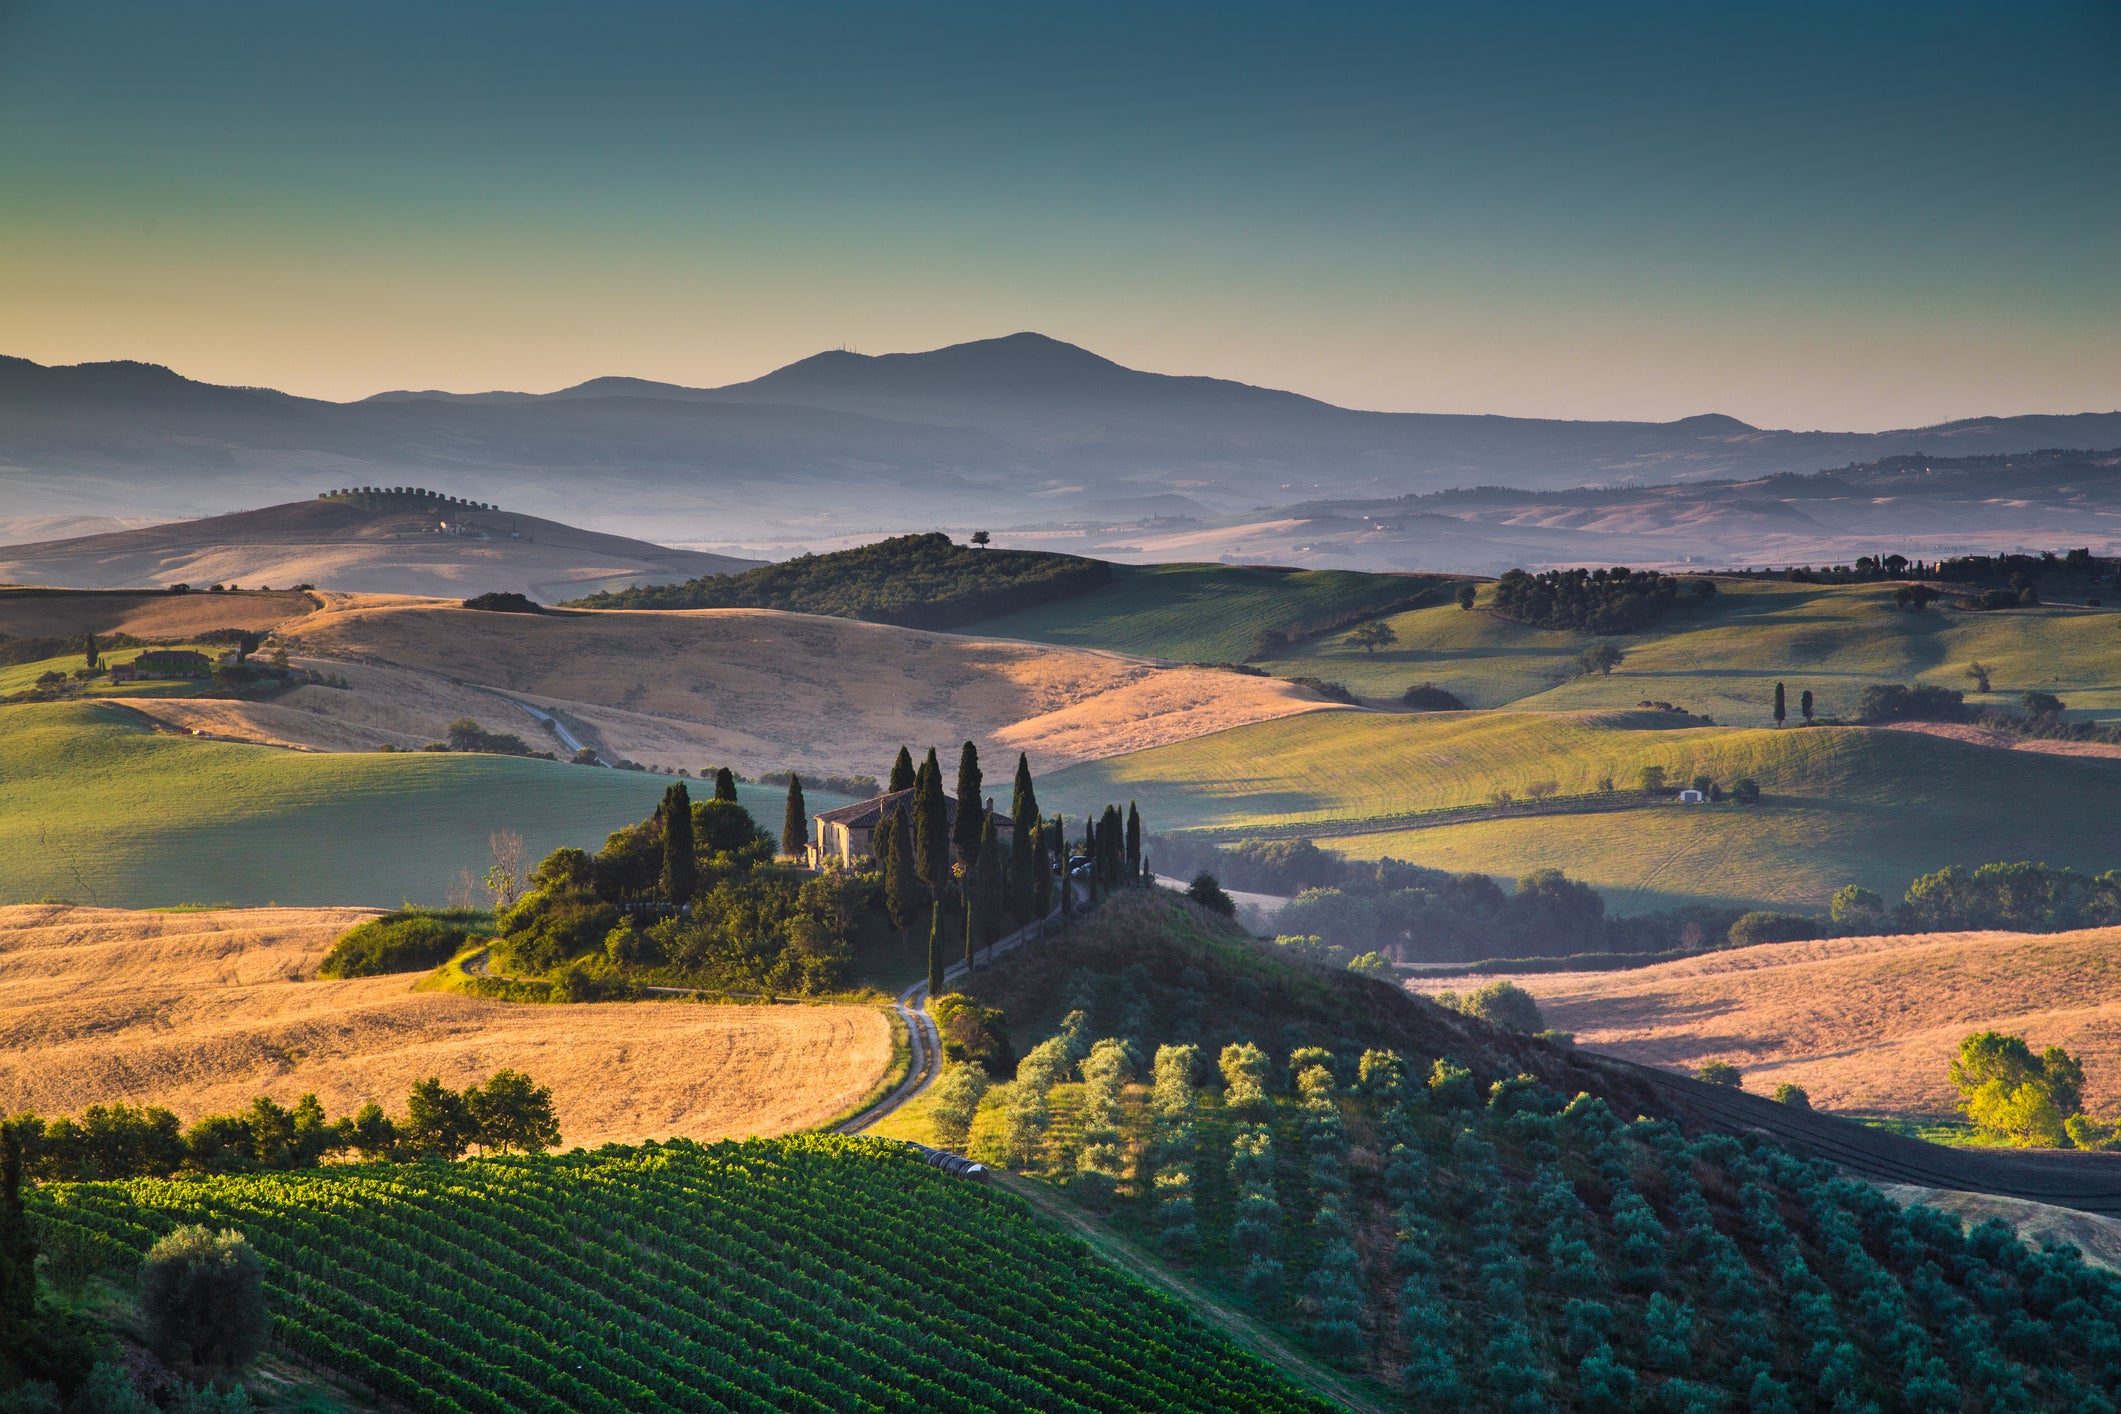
(1761,926)
(1374,965)
(1208,893)
(1721,1073)
(1503,1004)
(1896,702)
(202,1295)
(1428,697)
(410,941)
(503,602)
(958,1091)
(1792,1095)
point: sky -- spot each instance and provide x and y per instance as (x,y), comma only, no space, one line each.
(1845,215)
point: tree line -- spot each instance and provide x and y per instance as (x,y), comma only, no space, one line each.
(1616,600)
(510,1113)
(916,581)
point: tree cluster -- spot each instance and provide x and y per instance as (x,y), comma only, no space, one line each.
(410,940)
(1617,600)
(918,581)
(509,1113)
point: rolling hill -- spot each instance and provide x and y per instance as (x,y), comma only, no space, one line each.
(99,807)
(200,1011)
(1841,804)
(1866,1025)
(337,544)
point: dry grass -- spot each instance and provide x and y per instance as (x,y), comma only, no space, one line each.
(201,1011)
(751,688)
(1867,1025)
(33,614)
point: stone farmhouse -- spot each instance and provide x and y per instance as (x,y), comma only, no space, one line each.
(846,837)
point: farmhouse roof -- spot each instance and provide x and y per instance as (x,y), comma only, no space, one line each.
(867,814)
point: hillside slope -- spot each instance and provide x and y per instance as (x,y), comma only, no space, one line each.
(198,1012)
(1841,804)
(338,545)
(1865,1025)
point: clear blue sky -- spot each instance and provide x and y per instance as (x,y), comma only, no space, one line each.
(1803,214)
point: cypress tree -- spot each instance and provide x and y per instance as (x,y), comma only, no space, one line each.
(1804,704)
(1090,853)
(680,875)
(1059,838)
(93,656)
(931,828)
(966,832)
(1134,843)
(1023,802)
(935,950)
(988,887)
(902,883)
(901,772)
(795,820)
(971,937)
(1024,872)
(1779,709)
(1111,845)
(1041,876)
(724,784)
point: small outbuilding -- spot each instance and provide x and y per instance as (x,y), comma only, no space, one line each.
(1690,796)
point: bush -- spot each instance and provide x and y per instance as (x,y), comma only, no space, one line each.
(1760,926)
(203,1298)
(1721,1073)
(503,603)
(1792,1095)
(1503,1004)
(413,940)
(1205,891)
(1428,697)
(1896,702)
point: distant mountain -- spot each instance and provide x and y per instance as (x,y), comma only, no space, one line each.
(1015,430)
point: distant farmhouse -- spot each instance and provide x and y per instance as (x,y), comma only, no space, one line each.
(847,836)
(163,663)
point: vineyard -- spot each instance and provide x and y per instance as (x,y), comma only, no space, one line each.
(805,1273)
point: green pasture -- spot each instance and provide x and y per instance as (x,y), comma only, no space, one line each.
(20,677)
(1197,613)
(97,807)
(1843,804)
(1724,659)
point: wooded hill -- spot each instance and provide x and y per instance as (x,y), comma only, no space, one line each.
(914,581)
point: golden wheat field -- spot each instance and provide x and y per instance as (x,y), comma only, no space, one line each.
(201,1011)
(1865,1025)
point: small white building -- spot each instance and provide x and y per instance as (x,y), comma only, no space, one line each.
(1690,796)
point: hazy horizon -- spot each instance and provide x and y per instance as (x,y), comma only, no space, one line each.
(1802,216)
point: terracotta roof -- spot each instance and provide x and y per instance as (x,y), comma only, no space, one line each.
(867,814)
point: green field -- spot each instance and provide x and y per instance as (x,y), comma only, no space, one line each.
(1843,804)
(20,677)
(1198,613)
(98,808)
(1724,660)
(807,1273)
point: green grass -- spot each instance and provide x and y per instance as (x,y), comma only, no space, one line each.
(98,808)
(1197,612)
(1724,660)
(1844,804)
(20,677)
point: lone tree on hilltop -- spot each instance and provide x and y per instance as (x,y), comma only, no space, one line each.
(795,820)
(724,784)
(1600,658)
(982,539)
(1781,708)
(901,773)
(680,865)
(966,833)
(1373,635)
(1466,595)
